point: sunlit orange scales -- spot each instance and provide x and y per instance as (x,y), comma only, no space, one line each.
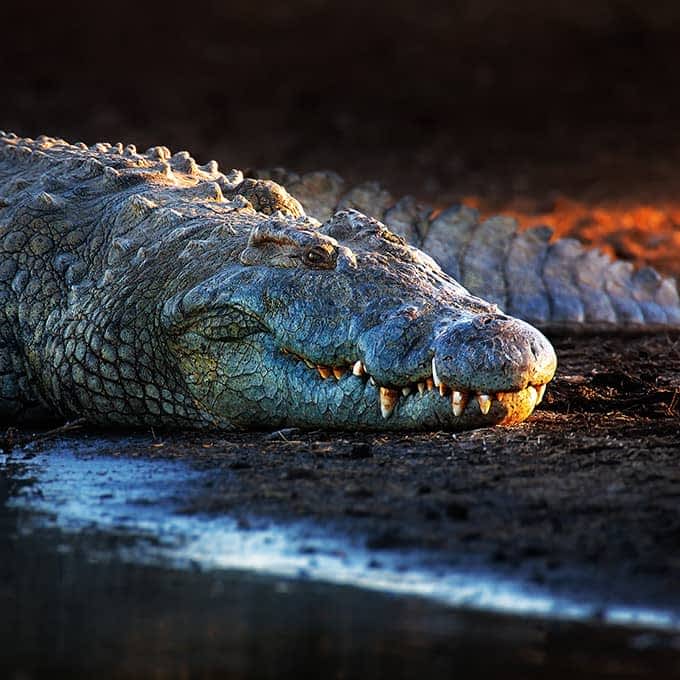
(641,232)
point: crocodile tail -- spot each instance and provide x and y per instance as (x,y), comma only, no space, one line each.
(553,283)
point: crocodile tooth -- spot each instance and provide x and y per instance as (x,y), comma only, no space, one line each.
(458,402)
(371,381)
(388,400)
(533,395)
(429,384)
(540,391)
(358,368)
(309,364)
(484,401)
(435,377)
(338,372)
(406,391)
(421,387)
(442,389)
(324,371)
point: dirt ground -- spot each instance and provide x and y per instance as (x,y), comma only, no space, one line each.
(583,497)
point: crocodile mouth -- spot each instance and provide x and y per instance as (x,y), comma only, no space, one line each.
(462,401)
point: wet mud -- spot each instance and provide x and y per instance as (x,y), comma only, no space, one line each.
(68,613)
(584,495)
(580,502)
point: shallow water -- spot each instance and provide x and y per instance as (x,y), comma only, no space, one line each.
(102,558)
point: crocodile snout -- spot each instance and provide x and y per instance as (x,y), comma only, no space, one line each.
(481,368)
(493,352)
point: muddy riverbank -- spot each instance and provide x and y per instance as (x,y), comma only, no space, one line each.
(577,508)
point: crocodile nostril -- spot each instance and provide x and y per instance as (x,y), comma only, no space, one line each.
(534,350)
(483,320)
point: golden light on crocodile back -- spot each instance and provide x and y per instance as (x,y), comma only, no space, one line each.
(644,232)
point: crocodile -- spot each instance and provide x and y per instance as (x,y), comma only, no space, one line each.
(143,289)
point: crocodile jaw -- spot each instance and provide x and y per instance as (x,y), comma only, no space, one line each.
(292,391)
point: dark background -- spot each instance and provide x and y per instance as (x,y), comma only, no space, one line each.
(488,98)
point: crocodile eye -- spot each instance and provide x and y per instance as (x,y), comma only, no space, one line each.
(318,258)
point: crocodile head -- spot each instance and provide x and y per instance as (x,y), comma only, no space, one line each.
(344,325)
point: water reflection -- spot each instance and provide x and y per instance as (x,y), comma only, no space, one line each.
(101,570)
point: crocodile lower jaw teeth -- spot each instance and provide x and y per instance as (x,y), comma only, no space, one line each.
(461,399)
(388,397)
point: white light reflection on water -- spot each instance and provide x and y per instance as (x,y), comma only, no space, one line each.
(77,486)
